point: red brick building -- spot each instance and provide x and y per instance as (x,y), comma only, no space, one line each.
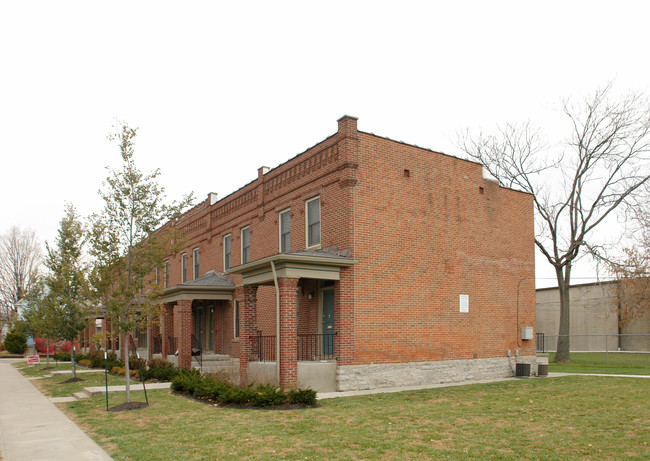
(376,263)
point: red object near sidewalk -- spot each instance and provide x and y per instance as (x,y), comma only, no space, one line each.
(33,359)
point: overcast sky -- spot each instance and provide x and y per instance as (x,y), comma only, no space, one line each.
(219,89)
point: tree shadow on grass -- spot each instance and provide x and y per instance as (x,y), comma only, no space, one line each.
(71,380)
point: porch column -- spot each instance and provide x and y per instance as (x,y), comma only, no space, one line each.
(183,310)
(167,330)
(247,328)
(288,333)
(150,338)
(91,332)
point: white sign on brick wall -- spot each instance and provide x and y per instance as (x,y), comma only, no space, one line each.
(464,303)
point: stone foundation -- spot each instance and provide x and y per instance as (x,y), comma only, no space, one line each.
(360,377)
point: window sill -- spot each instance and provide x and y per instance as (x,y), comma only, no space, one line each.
(235,340)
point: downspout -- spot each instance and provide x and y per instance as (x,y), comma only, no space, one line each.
(277,323)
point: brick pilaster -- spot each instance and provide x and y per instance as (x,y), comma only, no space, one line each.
(247,328)
(288,333)
(167,330)
(151,329)
(183,310)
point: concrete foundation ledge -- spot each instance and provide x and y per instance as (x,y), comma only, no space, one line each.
(378,376)
(317,375)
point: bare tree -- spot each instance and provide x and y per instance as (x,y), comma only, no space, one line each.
(603,165)
(632,272)
(20,258)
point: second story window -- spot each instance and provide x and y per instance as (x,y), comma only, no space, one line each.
(226,252)
(313,222)
(285,231)
(195,260)
(166,274)
(246,245)
(184,268)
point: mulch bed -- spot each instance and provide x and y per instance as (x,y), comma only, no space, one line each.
(72,380)
(127,406)
(212,403)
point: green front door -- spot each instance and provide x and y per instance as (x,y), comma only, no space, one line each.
(328,323)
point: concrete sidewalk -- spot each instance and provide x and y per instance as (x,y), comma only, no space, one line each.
(33,428)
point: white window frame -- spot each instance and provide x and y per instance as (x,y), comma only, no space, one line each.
(166,275)
(284,250)
(184,268)
(196,263)
(235,319)
(247,259)
(309,244)
(227,264)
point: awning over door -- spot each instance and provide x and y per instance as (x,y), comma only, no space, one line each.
(211,286)
(318,265)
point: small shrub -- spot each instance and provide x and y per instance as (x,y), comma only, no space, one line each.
(302,397)
(185,381)
(122,371)
(134,362)
(15,343)
(211,387)
(160,369)
(114,363)
(85,362)
(267,395)
(62,356)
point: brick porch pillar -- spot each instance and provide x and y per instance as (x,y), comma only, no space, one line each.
(150,337)
(92,329)
(288,333)
(183,310)
(247,328)
(167,330)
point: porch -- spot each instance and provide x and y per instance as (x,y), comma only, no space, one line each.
(316,365)
(304,289)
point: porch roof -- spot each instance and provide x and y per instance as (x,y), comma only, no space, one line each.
(211,286)
(313,264)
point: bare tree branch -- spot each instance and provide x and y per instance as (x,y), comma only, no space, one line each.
(20,258)
(605,165)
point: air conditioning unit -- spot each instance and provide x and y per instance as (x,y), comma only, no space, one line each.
(527,333)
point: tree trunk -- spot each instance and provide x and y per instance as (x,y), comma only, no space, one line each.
(127,372)
(47,344)
(563,339)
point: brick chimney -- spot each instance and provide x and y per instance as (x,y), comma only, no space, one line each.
(348,126)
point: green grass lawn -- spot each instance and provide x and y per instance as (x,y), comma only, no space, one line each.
(549,418)
(577,417)
(55,386)
(598,362)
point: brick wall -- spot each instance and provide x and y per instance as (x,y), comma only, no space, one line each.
(428,229)
(425,228)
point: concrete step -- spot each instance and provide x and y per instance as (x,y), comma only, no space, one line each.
(81,395)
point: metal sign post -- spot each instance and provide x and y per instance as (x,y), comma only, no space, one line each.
(106,376)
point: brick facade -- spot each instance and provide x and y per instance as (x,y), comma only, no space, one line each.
(420,229)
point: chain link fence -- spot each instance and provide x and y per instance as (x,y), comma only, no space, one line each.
(597,343)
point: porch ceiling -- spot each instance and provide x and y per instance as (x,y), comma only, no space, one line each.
(300,264)
(211,286)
